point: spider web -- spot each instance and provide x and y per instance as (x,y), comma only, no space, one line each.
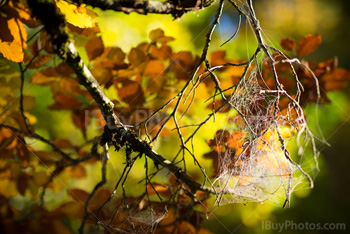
(254,167)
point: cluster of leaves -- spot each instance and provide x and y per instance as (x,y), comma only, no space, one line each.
(144,79)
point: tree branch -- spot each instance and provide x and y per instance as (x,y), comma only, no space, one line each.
(115,133)
(174,8)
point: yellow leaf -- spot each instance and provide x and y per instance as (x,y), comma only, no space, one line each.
(8,188)
(77,16)
(13,49)
(40,178)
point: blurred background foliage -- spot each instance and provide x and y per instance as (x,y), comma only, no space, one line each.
(328,201)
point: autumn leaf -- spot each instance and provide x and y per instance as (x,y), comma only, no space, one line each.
(11,46)
(94,47)
(288,44)
(46,158)
(154,68)
(218,58)
(158,35)
(162,53)
(65,101)
(46,42)
(40,178)
(77,171)
(136,56)
(62,143)
(235,139)
(22,183)
(78,195)
(84,32)
(130,92)
(77,16)
(336,79)
(308,44)
(161,189)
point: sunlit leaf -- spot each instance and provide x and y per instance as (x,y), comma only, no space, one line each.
(13,49)
(78,16)
(161,189)
(154,68)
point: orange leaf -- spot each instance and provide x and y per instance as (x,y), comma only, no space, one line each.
(203,231)
(288,44)
(235,140)
(155,34)
(186,227)
(77,171)
(308,44)
(154,68)
(218,58)
(161,189)
(162,53)
(13,49)
(130,92)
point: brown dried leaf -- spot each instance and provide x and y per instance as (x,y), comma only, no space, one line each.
(84,32)
(81,120)
(78,195)
(130,92)
(308,44)
(94,48)
(62,143)
(158,36)
(45,77)
(136,56)
(288,44)
(46,158)
(45,41)
(22,183)
(40,61)
(162,53)
(64,102)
